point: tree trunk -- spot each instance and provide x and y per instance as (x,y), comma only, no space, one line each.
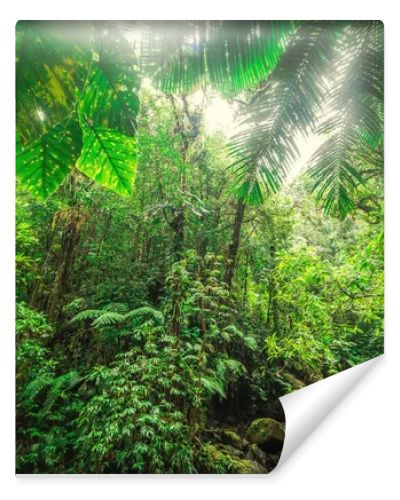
(70,237)
(273,310)
(178,225)
(235,242)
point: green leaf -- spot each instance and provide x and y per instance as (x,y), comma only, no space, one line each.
(353,130)
(110,98)
(213,386)
(265,148)
(44,164)
(231,55)
(109,158)
(51,67)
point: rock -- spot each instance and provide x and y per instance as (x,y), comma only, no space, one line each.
(272,461)
(233,451)
(232,438)
(249,467)
(256,454)
(267,433)
(294,381)
(227,459)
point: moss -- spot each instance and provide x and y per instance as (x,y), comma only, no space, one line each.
(265,430)
(232,438)
(220,460)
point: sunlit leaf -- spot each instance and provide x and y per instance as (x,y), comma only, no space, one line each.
(109,158)
(46,162)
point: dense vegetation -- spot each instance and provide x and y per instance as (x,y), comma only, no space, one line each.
(173,282)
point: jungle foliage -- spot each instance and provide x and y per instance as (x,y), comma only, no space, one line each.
(173,282)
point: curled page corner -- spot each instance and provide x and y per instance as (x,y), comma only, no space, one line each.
(307,408)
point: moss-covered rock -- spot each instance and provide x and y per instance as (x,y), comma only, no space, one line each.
(232,438)
(256,454)
(233,451)
(222,459)
(295,383)
(267,433)
(245,466)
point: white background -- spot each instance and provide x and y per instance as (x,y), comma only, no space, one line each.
(355,452)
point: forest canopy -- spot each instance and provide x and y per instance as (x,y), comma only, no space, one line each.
(199,230)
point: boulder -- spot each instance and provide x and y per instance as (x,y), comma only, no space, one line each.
(256,454)
(294,382)
(235,452)
(249,467)
(226,459)
(231,438)
(267,433)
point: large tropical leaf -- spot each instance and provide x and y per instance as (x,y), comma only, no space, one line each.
(107,113)
(110,98)
(109,158)
(62,67)
(44,164)
(51,65)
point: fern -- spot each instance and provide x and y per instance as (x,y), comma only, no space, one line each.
(101,317)
(108,318)
(114,313)
(213,386)
(34,387)
(229,369)
(116,307)
(146,312)
(65,381)
(88,314)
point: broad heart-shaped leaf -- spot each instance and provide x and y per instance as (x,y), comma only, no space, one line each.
(110,97)
(52,58)
(109,158)
(46,162)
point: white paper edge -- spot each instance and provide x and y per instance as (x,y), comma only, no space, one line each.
(307,408)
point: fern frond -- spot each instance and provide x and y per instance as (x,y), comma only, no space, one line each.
(213,386)
(34,387)
(229,369)
(65,381)
(88,314)
(144,312)
(108,318)
(118,307)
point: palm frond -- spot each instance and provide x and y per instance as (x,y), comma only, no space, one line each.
(266,148)
(354,129)
(230,55)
